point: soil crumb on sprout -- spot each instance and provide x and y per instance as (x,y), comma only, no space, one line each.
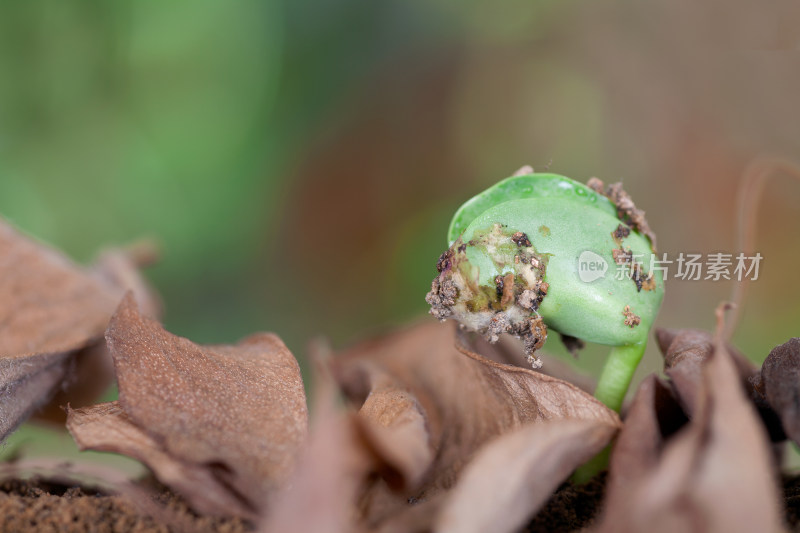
(441,298)
(622,257)
(544,231)
(520,239)
(640,279)
(533,334)
(627,212)
(631,319)
(444,260)
(620,233)
(508,303)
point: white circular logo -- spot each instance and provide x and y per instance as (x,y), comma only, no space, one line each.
(591,266)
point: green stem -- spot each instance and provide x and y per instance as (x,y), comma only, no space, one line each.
(611,389)
(617,374)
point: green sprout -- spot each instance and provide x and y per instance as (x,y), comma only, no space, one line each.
(541,251)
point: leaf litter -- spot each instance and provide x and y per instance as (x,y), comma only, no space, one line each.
(714,473)
(778,385)
(467,401)
(423,429)
(220,424)
(52,317)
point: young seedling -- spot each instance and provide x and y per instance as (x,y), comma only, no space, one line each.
(541,251)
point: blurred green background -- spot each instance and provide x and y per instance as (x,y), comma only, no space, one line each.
(299,161)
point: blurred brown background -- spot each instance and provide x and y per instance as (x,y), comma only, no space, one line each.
(300,162)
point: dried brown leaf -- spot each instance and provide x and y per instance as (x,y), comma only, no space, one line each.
(88,374)
(464,399)
(48,305)
(238,411)
(332,469)
(49,309)
(654,415)
(510,351)
(107,428)
(780,385)
(685,354)
(342,456)
(714,475)
(514,475)
(91,370)
(20,397)
(393,425)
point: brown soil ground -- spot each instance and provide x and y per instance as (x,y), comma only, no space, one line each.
(571,508)
(52,507)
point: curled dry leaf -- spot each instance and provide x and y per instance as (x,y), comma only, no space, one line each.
(685,354)
(107,428)
(508,350)
(514,475)
(19,398)
(91,369)
(714,474)
(393,425)
(779,385)
(331,470)
(50,309)
(424,378)
(237,413)
(653,417)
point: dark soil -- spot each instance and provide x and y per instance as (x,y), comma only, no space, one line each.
(47,506)
(571,508)
(52,507)
(791,500)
